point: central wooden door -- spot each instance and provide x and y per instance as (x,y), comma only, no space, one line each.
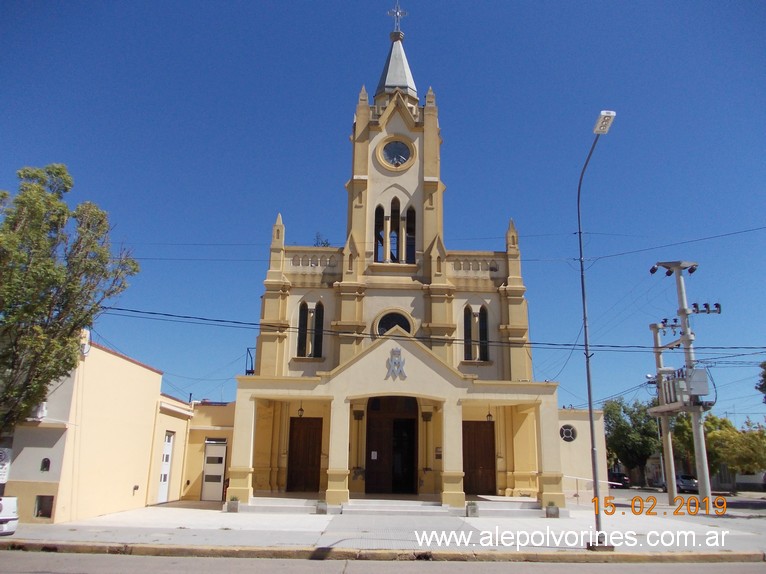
(479,457)
(392,445)
(304,455)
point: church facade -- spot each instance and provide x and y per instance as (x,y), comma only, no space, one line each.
(394,365)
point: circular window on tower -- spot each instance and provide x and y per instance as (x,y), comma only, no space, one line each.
(568,433)
(391,320)
(396,153)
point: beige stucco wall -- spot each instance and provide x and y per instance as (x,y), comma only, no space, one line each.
(210,421)
(172,416)
(576,455)
(112,427)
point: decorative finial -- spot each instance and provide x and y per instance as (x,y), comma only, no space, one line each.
(397,14)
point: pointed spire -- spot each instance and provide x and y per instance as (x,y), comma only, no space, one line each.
(396,73)
(278,233)
(430,97)
(511,237)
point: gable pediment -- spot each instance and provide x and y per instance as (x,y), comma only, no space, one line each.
(399,106)
(397,364)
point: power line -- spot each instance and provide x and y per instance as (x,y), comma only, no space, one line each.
(200,320)
(614,396)
(340,246)
(719,236)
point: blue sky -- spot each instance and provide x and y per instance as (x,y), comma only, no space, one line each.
(183,119)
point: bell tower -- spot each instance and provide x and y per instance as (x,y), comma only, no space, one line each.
(395,190)
(394,234)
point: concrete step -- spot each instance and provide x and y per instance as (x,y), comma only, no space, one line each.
(509,502)
(512,507)
(273,505)
(395,507)
(495,506)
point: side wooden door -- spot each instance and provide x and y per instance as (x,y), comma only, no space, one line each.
(479,457)
(304,455)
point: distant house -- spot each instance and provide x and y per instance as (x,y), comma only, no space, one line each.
(106,440)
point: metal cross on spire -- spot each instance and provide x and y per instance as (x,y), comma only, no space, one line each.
(397,14)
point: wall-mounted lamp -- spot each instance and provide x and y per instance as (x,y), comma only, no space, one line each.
(490,418)
(301,411)
(358,415)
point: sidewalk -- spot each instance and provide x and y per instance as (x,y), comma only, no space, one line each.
(185,529)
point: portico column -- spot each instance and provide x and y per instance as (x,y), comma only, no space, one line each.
(243,437)
(526,456)
(549,454)
(337,465)
(452,448)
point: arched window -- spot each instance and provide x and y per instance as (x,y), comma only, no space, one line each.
(303,324)
(379,232)
(391,320)
(483,335)
(395,234)
(318,324)
(476,334)
(467,329)
(410,236)
(310,330)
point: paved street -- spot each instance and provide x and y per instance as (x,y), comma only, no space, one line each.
(640,524)
(38,562)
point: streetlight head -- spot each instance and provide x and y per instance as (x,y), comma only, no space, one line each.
(668,273)
(692,269)
(604,122)
(654,269)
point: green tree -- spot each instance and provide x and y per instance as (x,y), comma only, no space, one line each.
(748,454)
(631,433)
(743,451)
(683,441)
(719,432)
(720,436)
(56,271)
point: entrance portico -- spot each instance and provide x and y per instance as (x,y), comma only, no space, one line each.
(380,435)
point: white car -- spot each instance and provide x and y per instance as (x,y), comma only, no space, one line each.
(9,515)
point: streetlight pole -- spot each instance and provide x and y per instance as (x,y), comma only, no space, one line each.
(605,120)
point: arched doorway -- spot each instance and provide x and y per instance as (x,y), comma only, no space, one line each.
(392,445)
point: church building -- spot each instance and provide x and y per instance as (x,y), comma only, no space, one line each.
(394,365)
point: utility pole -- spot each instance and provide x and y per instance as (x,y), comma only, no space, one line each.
(669,468)
(693,382)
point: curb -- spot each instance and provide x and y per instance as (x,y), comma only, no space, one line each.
(307,553)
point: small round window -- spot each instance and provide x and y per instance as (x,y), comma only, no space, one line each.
(391,320)
(396,153)
(568,433)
